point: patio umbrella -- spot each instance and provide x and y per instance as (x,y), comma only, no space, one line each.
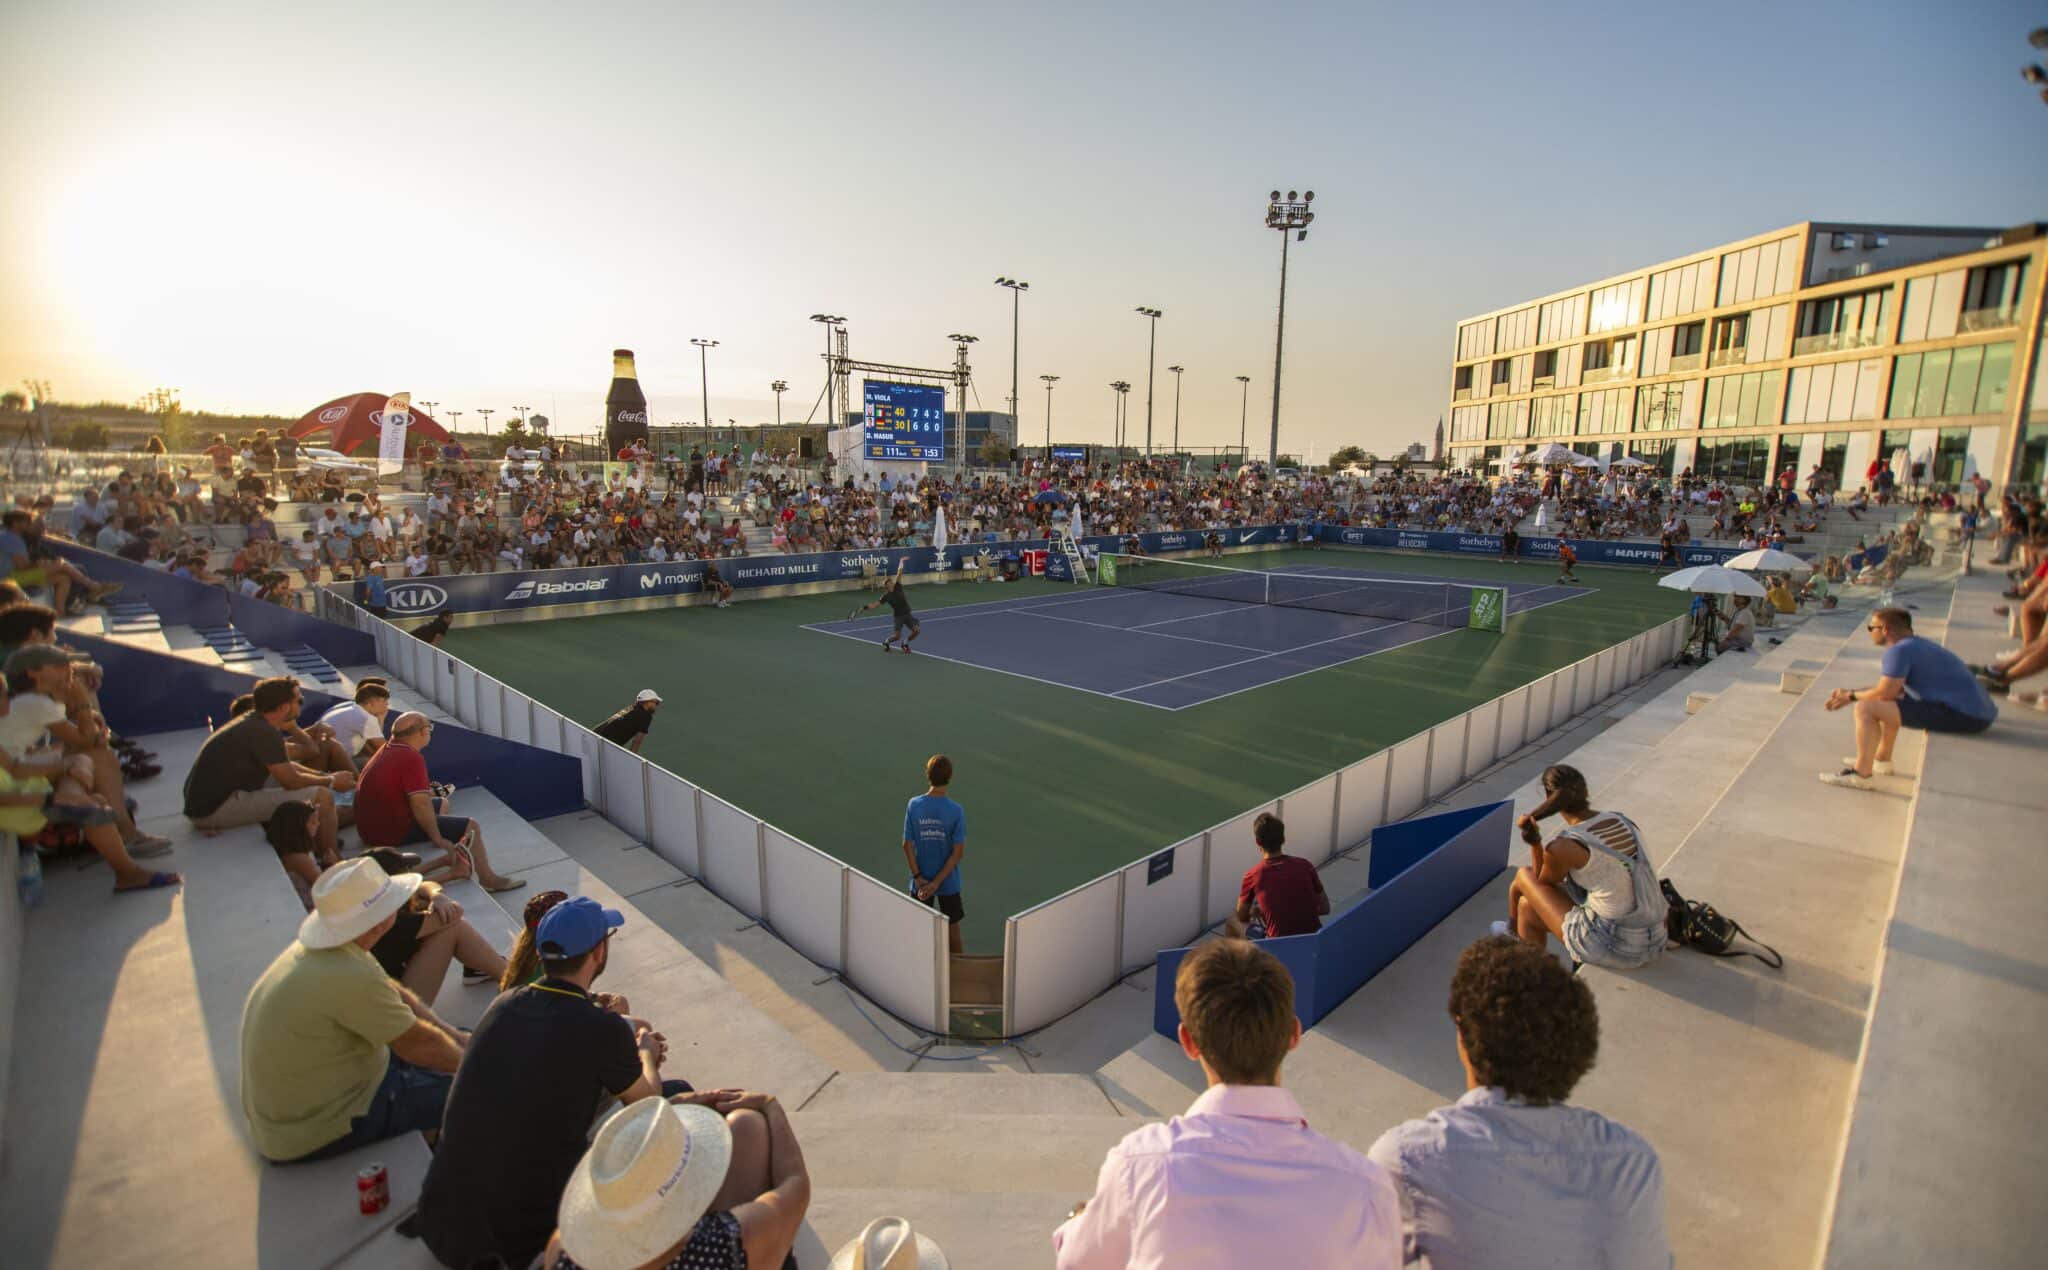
(939,531)
(1049,496)
(1074,526)
(1629,460)
(1768,560)
(1551,454)
(1712,579)
(1584,460)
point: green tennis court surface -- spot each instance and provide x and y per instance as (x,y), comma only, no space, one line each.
(826,738)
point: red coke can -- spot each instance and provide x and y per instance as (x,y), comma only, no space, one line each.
(373,1189)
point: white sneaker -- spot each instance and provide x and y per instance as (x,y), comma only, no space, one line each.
(1500,928)
(1847,779)
(1882,767)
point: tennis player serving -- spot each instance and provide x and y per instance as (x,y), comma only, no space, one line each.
(899,604)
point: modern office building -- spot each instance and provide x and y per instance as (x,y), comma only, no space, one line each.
(1827,344)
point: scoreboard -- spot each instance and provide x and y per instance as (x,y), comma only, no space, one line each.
(904,421)
(1070,454)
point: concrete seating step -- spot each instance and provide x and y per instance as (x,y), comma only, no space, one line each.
(910,1095)
(1009,1230)
(959,1152)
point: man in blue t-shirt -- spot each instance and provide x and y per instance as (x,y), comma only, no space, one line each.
(934,839)
(1920,685)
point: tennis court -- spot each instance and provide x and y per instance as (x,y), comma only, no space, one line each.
(1175,634)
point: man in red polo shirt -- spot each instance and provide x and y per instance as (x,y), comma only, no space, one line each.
(396,806)
(1288,896)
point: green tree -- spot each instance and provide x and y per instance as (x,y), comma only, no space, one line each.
(1346,456)
(13,402)
(995,451)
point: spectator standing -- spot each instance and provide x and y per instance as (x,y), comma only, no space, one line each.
(335,1054)
(629,726)
(934,841)
(1510,1175)
(396,806)
(1240,1179)
(1920,685)
(542,1061)
(1283,893)
(242,773)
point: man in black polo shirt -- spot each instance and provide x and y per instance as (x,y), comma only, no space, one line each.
(542,1062)
(629,726)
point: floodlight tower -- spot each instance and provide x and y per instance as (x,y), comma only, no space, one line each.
(1017,290)
(1244,398)
(961,375)
(1049,381)
(1176,405)
(704,348)
(1292,217)
(779,387)
(831,322)
(1122,387)
(1151,356)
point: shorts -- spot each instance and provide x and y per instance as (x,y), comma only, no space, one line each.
(452,828)
(31,577)
(1933,716)
(902,622)
(950,905)
(1600,941)
(253,807)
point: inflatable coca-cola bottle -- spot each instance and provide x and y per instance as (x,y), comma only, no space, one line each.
(625,406)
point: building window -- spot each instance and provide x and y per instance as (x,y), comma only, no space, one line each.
(1856,320)
(1604,411)
(2034,454)
(1461,383)
(1730,343)
(1553,416)
(1546,368)
(1658,407)
(1598,353)
(1991,296)
(1951,455)
(1743,460)
(1500,373)
(1743,401)
(1952,381)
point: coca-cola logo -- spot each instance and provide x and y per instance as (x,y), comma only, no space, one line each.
(631,416)
(334,414)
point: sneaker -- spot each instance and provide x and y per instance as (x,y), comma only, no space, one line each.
(471,978)
(1847,779)
(885,646)
(1882,767)
(906,648)
(149,845)
(1500,928)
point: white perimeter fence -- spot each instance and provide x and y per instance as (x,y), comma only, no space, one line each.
(1058,955)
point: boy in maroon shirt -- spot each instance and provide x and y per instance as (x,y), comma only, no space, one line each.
(1284,889)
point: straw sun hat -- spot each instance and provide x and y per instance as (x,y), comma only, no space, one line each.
(889,1243)
(652,1171)
(352,897)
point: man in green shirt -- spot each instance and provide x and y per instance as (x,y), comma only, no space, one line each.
(336,1054)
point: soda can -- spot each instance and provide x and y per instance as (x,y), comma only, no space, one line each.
(373,1189)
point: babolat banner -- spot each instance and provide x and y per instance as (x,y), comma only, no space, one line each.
(1591,551)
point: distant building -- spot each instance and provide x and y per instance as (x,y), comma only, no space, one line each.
(1819,344)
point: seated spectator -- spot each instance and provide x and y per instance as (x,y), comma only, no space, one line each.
(335,1054)
(430,931)
(1741,634)
(358,726)
(49,711)
(1510,1175)
(709,1179)
(242,773)
(293,832)
(1281,894)
(1779,593)
(396,806)
(1240,1179)
(1592,886)
(541,1063)
(1920,685)
(25,569)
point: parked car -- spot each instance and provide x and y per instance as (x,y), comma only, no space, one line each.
(316,459)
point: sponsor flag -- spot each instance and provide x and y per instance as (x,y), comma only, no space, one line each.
(391,442)
(1489,609)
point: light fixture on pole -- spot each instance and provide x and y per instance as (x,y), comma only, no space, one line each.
(431,407)
(1017,290)
(1122,387)
(486,412)
(779,387)
(704,378)
(1244,398)
(1151,356)
(1176,405)
(1049,380)
(1292,217)
(522,417)
(960,379)
(454,420)
(830,321)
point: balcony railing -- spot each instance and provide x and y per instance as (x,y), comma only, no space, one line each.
(1546,381)
(1687,361)
(1727,357)
(1833,341)
(1985,319)
(1460,394)
(1602,374)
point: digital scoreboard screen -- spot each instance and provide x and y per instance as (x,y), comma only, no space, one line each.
(1070,454)
(904,421)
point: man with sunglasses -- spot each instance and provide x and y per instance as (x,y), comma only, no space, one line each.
(1920,685)
(242,773)
(397,806)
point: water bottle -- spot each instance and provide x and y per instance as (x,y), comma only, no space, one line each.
(31,883)
(1885,600)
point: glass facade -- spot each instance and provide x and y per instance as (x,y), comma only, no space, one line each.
(1951,381)
(1743,401)
(1743,459)
(1659,407)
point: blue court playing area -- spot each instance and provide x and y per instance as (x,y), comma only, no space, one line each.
(1176,648)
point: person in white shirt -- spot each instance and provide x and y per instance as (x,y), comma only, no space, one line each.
(380,529)
(1741,627)
(418,562)
(359,725)
(111,538)
(88,516)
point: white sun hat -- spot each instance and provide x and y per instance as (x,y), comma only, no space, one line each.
(650,1174)
(889,1243)
(350,898)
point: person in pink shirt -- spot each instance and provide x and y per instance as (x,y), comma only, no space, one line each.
(1240,1179)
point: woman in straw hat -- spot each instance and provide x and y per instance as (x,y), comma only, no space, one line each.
(703,1181)
(889,1243)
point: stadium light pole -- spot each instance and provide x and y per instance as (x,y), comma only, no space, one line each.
(1244,400)
(1049,381)
(960,342)
(1177,370)
(1292,217)
(829,321)
(1122,388)
(454,420)
(486,412)
(779,387)
(1151,357)
(522,416)
(1017,290)
(435,405)
(704,379)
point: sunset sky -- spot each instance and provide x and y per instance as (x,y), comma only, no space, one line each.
(266,206)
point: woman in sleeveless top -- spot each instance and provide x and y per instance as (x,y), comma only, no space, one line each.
(1592,885)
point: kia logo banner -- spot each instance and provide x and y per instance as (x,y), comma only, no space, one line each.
(407,598)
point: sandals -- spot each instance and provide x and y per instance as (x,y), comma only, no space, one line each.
(157,881)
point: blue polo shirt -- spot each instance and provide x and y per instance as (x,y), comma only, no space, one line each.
(1933,673)
(934,825)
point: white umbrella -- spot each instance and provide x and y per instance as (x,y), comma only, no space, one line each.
(1629,460)
(939,531)
(1712,579)
(1074,529)
(1768,560)
(1551,453)
(1584,460)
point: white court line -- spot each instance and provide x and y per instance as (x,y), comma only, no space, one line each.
(1132,630)
(1014,674)
(1282,652)
(1021,604)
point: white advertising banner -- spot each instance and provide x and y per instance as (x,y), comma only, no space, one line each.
(397,417)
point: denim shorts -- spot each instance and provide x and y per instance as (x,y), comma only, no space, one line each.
(409,1100)
(1933,716)
(1600,941)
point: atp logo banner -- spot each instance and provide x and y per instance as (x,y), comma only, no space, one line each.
(1489,609)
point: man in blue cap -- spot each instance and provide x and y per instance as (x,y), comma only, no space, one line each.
(541,1064)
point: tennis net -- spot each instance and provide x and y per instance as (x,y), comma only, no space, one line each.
(1430,603)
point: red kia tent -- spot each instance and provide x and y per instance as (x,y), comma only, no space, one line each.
(358,418)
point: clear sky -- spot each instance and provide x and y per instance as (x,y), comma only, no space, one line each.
(266,205)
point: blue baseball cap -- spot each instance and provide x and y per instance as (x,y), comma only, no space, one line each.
(575,926)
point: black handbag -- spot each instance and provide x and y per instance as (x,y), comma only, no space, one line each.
(1702,926)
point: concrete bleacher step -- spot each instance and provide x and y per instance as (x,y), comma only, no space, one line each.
(914,1094)
(961,1153)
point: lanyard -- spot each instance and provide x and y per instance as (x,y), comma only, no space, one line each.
(560,992)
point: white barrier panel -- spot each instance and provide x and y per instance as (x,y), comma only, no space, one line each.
(1604,683)
(1514,721)
(673,835)
(1447,755)
(1311,816)
(806,896)
(1164,911)
(1407,765)
(1062,954)
(1583,685)
(518,717)
(547,729)
(731,853)
(583,744)
(1231,852)
(1480,738)
(419,655)
(465,694)
(490,706)
(894,951)
(1631,668)
(625,789)
(444,681)
(1674,640)
(1561,686)
(1362,801)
